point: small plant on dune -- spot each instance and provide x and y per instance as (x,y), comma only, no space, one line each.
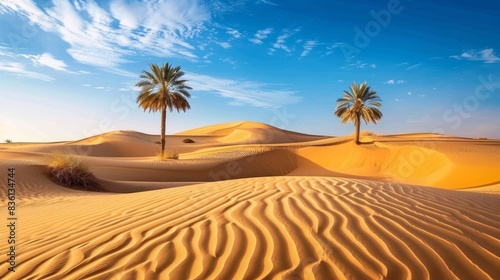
(188,141)
(72,171)
(168,154)
(8,141)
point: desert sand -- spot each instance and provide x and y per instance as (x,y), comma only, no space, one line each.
(250,201)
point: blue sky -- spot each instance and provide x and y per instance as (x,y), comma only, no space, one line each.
(68,68)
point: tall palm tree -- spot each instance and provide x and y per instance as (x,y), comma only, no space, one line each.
(163,89)
(359,102)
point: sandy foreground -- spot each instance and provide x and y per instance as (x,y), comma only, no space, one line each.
(250,201)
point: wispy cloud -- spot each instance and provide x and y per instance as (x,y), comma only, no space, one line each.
(230,61)
(243,92)
(486,55)
(308,46)
(234,33)
(413,66)
(225,45)
(105,38)
(47,60)
(393,82)
(22,70)
(358,65)
(267,2)
(261,35)
(24,64)
(330,49)
(281,41)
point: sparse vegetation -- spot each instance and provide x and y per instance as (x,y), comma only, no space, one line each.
(8,141)
(168,154)
(187,140)
(72,171)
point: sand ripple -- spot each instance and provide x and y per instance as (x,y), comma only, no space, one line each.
(264,228)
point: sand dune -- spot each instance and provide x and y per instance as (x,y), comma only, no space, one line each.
(250,133)
(251,201)
(273,227)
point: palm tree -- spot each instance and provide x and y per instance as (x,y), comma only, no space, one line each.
(163,89)
(360,102)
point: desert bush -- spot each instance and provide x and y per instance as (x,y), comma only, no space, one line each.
(169,154)
(72,171)
(158,142)
(187,140)
(8,141)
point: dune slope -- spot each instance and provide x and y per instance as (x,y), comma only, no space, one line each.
(272,227)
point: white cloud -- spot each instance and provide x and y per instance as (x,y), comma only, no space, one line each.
(358,65)
(95,39)
(233,32)
(281,40)
(21,70)
(413,66)
(267,2)
(393,82)
(229,61)
(409,93)
(20,63)
(261,35)
(308,46)
(47,60)
(486,55)
(242,92)
(225,45)
(329,49)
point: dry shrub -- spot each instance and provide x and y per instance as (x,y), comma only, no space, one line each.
(169,154)
(70,170)
(188,141)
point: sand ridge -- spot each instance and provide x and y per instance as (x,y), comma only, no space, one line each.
(289,206)
(277,227)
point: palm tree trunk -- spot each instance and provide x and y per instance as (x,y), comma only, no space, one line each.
(358,126)
(163,129)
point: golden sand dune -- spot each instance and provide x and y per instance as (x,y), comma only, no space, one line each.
(250,133)
(250,201)
(272,227)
